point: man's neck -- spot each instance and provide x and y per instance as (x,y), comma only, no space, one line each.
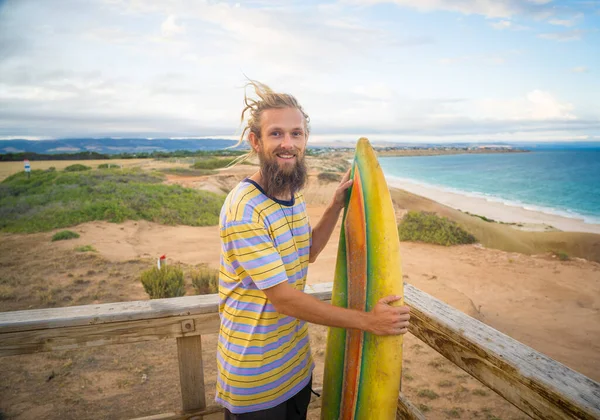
(285,196)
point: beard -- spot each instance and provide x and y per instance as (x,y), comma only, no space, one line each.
(277,180)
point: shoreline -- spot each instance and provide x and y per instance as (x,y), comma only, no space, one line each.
(531,220)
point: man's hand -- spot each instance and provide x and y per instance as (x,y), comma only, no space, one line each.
(339,198)
(389,320)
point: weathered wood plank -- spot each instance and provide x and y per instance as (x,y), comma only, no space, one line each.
(68,338)
(533,382)
(406,410)
(191,373)
(105,313)
(72,316)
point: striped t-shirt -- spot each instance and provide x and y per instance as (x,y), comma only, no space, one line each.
(263,356)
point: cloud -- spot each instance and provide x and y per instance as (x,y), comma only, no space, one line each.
(170,68)
(566,22)
(562,22)
(487,8)
(480,59)
(536,105)
(507,24)
(170,28)
(565,36)
(580,69)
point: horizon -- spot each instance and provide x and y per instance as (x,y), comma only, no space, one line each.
(434,71)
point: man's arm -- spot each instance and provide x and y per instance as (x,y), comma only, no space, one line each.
(382,320)
(323,230)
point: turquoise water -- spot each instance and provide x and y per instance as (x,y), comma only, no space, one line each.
(562,182)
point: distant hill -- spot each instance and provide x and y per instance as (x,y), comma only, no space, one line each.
(111,145)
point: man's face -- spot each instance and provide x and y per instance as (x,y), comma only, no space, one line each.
(281,149)
(283,137)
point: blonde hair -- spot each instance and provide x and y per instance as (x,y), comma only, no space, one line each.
(267,99)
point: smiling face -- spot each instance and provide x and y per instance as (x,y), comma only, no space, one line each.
(280,149)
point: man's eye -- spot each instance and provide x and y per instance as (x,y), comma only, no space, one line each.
(298,133)
(275,133)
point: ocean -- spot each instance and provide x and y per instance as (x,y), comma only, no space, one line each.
(564,182)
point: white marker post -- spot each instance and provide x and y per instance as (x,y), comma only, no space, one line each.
(162,261)
(27,168)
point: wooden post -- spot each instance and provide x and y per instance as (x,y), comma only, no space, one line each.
(191,370)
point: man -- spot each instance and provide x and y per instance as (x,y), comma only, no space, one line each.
(264,361)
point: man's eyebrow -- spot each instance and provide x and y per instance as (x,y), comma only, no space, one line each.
(275,127)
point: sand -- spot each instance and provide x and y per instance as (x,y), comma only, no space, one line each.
(531,220)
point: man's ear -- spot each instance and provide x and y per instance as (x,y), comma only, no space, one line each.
(254,142)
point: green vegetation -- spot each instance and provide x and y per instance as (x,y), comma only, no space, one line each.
(108,166)
(64,235)
(7,293)
(445,384)
(329,177)
(485,219)
(424,407)
(563,256)
(186,172)
(77,168)
(428,393)
(480,392)
(85,248)
(419,226)
(454,412)
(32,156)
(205,280)
(212,163)
(51,200)
(165,282)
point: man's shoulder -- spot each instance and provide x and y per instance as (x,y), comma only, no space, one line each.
(245,204)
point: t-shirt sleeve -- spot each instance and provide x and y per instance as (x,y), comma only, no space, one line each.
(252,254)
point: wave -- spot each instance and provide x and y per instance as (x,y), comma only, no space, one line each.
(568,213)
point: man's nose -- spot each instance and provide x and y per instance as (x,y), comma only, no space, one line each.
(286,142)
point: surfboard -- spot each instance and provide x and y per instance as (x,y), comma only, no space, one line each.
(363,371)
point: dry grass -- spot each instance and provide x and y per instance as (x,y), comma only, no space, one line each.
(9,168)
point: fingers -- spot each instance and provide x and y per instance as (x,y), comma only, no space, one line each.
(389,299)
(346,182)
(346,176)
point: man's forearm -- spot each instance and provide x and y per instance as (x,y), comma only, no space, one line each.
(308,308)
(323,230)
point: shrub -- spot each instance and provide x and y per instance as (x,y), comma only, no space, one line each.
(51,169)
(64,235)
(329,177)
(427,393)
(430,228)
(108,166)
(212,163)
(205,280)
(77,168)
(563,256)
(85,248)
(165,282)
(186,171)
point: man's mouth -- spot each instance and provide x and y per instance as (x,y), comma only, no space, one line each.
(285,155)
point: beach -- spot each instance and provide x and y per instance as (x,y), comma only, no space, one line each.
(532,220)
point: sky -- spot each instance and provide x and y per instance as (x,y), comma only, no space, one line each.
(391,70)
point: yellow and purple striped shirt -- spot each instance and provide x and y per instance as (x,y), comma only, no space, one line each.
(263,356)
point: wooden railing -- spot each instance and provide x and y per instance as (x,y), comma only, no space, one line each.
(536,384)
